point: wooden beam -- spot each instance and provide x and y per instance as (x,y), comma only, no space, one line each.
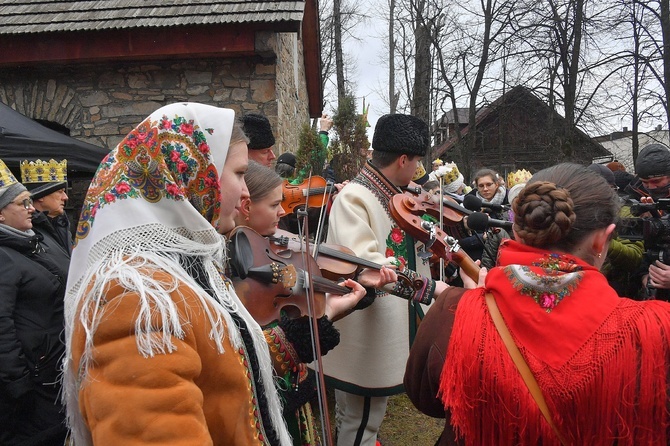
(130,44)
(312,53)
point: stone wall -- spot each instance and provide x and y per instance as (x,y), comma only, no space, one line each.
(292,103)
(101,103)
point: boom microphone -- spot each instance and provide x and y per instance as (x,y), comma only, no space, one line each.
(474,203)
(478,221)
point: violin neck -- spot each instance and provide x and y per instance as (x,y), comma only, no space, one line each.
(334,253)
(316,191)
(323,285)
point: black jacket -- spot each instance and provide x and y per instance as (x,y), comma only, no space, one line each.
(55,231)
(32,288)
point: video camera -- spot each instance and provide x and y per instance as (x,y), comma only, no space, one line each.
(653,228)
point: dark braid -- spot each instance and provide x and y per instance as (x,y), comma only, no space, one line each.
(543,214)
(563,204)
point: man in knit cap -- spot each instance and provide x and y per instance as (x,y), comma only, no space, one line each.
(261,139)
(653,171)
(368,365)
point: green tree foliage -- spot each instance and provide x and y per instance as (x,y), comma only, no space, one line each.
(349,148)
(311,155)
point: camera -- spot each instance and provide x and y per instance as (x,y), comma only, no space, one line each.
(653,229)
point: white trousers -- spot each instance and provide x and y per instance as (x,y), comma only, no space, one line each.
(358,418)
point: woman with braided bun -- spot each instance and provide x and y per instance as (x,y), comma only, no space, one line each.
(545,351)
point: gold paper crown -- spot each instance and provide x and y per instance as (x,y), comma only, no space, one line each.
(438,161)
(43,172)
(451,173)
(420,172)
(7,178)
(518,177)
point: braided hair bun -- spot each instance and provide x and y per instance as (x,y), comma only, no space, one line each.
(543,214)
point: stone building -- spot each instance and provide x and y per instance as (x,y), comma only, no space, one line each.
(95,69)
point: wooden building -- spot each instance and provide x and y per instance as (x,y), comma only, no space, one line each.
(520,131)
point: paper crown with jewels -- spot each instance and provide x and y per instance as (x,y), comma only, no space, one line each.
(42,177)
(10,188)
(451,173)
(7,178)
(518,177)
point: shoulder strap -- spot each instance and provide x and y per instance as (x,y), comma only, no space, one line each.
(520,363)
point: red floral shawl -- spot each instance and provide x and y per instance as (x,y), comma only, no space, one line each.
(601,361)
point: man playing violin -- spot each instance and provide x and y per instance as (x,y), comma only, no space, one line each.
(368,365)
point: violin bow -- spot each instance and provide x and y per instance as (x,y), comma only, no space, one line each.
(314,332)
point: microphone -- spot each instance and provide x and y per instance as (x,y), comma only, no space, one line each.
(474,203)
(478,221)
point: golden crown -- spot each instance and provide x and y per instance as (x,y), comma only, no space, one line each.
(518,177)
(451,173)
(420,172)
(438,162)
(43,172)
(7,178)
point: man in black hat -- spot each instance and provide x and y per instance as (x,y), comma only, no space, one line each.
(47,183)
(369,363)
(261,140)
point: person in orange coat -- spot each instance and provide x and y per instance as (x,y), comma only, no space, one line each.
(159,348)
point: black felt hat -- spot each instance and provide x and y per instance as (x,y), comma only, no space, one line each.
(287,158)
(258,130)
(402,134)
(653,161)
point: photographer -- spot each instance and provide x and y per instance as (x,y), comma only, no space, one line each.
(653,170)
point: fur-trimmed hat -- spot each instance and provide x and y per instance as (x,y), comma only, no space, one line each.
(653,161)
(10,188)
(402,134)
(44,177)
(258,130)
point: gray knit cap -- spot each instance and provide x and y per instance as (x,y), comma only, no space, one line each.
(9,193)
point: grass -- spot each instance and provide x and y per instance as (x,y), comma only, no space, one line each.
(403,424)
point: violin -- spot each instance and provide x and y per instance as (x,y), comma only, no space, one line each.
(407,213)
(268,283)
(335,261)
(310,192)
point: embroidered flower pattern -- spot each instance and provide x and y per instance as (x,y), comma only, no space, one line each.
(548,281)
(136,169)
(396,246)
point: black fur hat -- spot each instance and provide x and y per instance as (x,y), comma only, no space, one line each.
(258,130)
(402,134)
(653,161)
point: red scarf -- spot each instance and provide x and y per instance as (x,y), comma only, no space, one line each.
(601,361)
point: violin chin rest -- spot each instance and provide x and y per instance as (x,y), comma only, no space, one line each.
(242,257)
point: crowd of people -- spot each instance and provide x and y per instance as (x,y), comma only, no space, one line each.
(142,329)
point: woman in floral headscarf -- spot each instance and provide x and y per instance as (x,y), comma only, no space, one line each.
(159,347)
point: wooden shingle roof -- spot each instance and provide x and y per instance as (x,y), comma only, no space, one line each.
(43,16)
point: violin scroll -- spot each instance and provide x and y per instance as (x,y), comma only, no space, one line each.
(407,212)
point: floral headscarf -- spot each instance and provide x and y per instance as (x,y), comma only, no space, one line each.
(155,202)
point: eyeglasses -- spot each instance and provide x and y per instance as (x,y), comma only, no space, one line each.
(26,203)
